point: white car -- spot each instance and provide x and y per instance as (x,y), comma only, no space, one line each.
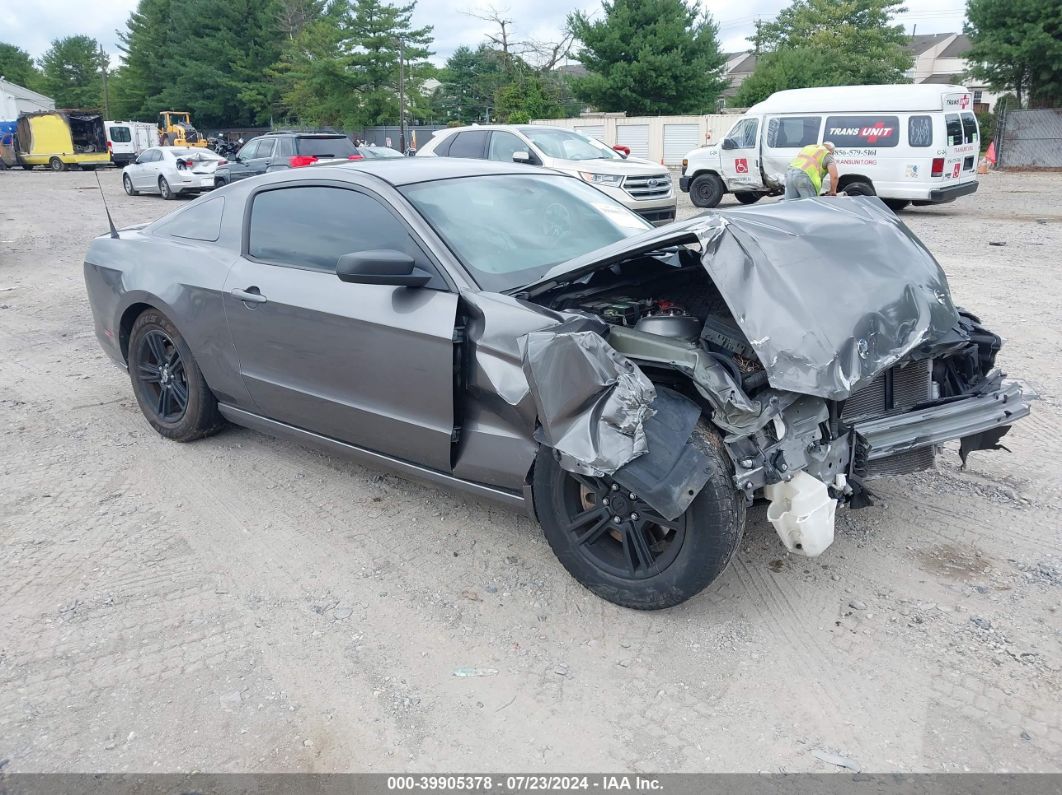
(170,171)
(640,185)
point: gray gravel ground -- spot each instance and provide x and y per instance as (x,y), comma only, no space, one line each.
(242,604)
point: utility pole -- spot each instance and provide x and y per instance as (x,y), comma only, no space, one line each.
(106,93)
(401,97)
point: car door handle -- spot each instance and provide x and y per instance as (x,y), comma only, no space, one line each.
(250,296)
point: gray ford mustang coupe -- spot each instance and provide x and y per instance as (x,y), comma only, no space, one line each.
(518,334)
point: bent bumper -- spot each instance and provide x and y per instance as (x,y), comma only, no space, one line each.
(891,435)
(950,194)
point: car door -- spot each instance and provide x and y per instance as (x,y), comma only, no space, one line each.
(740,154)
(144,178)
(240,166)
(372,365)
(504,144)
(263,156)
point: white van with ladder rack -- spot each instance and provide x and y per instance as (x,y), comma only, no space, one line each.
(907,144)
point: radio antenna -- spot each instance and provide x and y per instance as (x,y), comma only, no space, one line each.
(106,209)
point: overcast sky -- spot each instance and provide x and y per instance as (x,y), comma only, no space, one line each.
(32,25)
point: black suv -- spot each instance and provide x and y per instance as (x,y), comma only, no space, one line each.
(279,150)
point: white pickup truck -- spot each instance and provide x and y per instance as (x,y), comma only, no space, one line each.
(903,143)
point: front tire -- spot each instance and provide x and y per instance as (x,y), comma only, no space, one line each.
(167,382)
(644,561)
(165,190)
(707,190)
(128,185)
(55,164)
(748,197)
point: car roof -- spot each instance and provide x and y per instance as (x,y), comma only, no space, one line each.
(507,127)
(405,171)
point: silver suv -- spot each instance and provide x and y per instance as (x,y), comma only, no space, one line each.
(641,185)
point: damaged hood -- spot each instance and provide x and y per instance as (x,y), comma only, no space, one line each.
(829,291)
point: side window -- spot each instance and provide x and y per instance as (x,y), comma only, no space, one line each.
(265,148)
(969,128)
(468,144)
(855,131)
(120,135)
(953,125)
(502,146)
(152,155)
(744,133)
(920,131)
(199,222)
(285,147)
(248,150)
(793,132)
(313,226)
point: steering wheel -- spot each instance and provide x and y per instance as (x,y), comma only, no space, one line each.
(556,220)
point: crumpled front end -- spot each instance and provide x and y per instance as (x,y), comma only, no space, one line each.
(819,338)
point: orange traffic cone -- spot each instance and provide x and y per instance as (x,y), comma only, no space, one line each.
(990,155)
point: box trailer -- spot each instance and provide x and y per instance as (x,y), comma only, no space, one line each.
(60,139)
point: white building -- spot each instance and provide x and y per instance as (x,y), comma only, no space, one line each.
(15,99)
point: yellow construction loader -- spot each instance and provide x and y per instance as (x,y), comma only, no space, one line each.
(175,129)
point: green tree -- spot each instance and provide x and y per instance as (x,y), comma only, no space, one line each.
(377,34)
(209,57)
(839,42)
(1017,46)
(649,57)
(71,72)
(469,82)
(314,81)
(17,67)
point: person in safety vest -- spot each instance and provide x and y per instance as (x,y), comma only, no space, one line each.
(803,179)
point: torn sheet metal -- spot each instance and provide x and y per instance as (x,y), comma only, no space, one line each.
(829,292)
(592,402)
(670,476)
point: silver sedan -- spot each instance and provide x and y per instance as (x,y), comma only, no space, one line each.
(170,171)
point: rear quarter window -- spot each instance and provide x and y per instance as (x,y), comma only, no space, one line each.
(793,132)
(858,131)
(198,222)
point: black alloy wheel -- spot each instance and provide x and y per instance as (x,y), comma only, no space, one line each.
(160,371)
(618,533)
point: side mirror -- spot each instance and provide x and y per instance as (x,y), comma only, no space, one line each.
(625,151)
(381,267)
(522,156)
(728,143)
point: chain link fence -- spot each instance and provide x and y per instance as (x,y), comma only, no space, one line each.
(1030,139)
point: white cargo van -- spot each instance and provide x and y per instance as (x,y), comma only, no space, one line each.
(127,139)
(904,143)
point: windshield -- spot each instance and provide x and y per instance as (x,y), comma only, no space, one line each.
(319,146)
(510,229)
(565,145)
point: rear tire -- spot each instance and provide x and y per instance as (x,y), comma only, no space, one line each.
(706,190)
(220,183)
(165,190)
(859,188)
(896,205)
(687,554)
(55,164)
(748,197)
(167,382)
(128,185)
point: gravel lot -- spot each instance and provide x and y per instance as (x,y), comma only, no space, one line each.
(242,604)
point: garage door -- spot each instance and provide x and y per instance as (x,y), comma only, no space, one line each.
(592,131)
(636,136)
(679,139)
